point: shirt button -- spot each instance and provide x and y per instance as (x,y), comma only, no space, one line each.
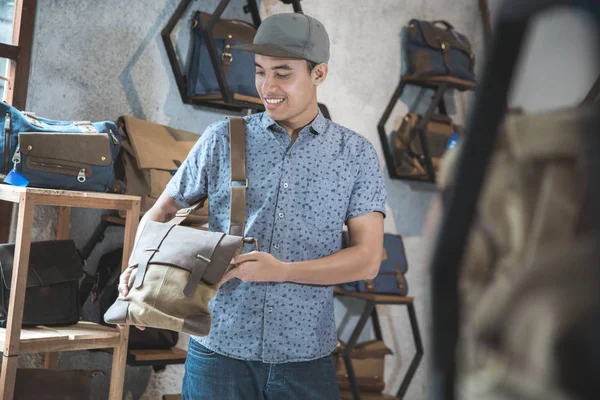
(280,215)
(270,309)
(285,185)
(276,246)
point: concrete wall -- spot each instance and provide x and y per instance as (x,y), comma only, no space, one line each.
(97,60)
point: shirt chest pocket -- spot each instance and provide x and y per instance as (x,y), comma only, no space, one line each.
(327,198)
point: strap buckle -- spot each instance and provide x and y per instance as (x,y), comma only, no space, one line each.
(251,240)
(244,184)
(227,55)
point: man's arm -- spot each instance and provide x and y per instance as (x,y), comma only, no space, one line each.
(359,261)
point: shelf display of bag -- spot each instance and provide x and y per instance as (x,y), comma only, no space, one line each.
(390,279)
(368,364)
(176,269)
(238,66)
(409,156)
(72,155)
(52,294)
(432,50)
(151,153)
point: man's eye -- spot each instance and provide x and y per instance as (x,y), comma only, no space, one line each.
(261,73)
(282,76)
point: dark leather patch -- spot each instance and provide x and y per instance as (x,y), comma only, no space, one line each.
(117,313)
(198,325)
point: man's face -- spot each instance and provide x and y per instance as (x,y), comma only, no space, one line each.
(285,86)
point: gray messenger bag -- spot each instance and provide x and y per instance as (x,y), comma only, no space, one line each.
(176,268)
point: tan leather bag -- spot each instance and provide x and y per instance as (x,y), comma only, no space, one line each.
(368,364)
(408,150)
(151,153)
(176,268)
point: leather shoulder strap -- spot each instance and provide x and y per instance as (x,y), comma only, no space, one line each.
(239,181)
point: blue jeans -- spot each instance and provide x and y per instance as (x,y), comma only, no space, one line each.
(212,376)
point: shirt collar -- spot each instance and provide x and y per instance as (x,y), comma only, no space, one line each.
(318,126)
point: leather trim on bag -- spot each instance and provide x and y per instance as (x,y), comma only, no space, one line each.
(152,247)
(117,313)
(209,249)
(197,324)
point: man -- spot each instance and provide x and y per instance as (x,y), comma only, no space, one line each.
(273,326)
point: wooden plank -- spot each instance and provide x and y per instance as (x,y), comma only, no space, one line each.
(63,223)
(344,395)
(18,70)
(17,297)
(64,344)
(388,298)
(113,220)
(9,51)
(50,360)
(9,196)
(117,377)
(158,355)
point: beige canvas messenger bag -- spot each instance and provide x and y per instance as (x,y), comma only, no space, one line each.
(176,268)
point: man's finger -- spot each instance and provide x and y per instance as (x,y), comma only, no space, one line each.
(252,256)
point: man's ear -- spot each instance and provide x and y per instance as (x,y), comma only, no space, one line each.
(319,73)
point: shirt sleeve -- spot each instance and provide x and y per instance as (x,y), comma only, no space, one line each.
(190,183)
(369,192)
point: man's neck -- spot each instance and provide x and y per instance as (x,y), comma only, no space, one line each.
(294,125)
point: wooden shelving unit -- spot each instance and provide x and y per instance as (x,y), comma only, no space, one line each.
(16,340)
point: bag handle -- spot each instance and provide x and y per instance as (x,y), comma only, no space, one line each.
(237,162)
(238,181)
(447,24)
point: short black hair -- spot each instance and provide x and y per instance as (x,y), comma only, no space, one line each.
(311,65)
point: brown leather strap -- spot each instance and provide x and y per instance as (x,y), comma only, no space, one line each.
(239,181)
(185,212)
(226,56)
(446,55)
(203,262)
(149,253)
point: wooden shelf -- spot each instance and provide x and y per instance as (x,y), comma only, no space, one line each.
(380,298)
(84,335)
(435,81)
(367,396)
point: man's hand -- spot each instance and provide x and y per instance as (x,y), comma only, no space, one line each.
(256,266)
(124,288)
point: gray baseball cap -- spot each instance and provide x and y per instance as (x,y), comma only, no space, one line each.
(290,35)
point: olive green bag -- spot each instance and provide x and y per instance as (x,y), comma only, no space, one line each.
(176,269)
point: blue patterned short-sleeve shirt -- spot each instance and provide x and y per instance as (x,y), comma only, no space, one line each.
(298,198)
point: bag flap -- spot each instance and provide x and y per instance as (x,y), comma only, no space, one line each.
(435,35)
(50,262)
(239,30)
(157,146)
(182,245)
(394,248)
(88,148)
(370,349)
(554,134)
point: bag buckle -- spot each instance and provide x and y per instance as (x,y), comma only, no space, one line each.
(242,183)
(227,55)
(251,240)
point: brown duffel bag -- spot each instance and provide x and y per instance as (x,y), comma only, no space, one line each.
(150,155)
(368,364)
(409,156)
(176,268)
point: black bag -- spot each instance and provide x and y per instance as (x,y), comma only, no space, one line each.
(54,384)
(52,296)
(435,51)
(105,293)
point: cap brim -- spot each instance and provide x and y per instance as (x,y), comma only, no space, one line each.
(267,50)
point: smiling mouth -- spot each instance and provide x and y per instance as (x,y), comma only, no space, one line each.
(274,101)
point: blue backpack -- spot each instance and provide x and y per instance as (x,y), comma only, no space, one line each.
(390,279)
(71,155)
